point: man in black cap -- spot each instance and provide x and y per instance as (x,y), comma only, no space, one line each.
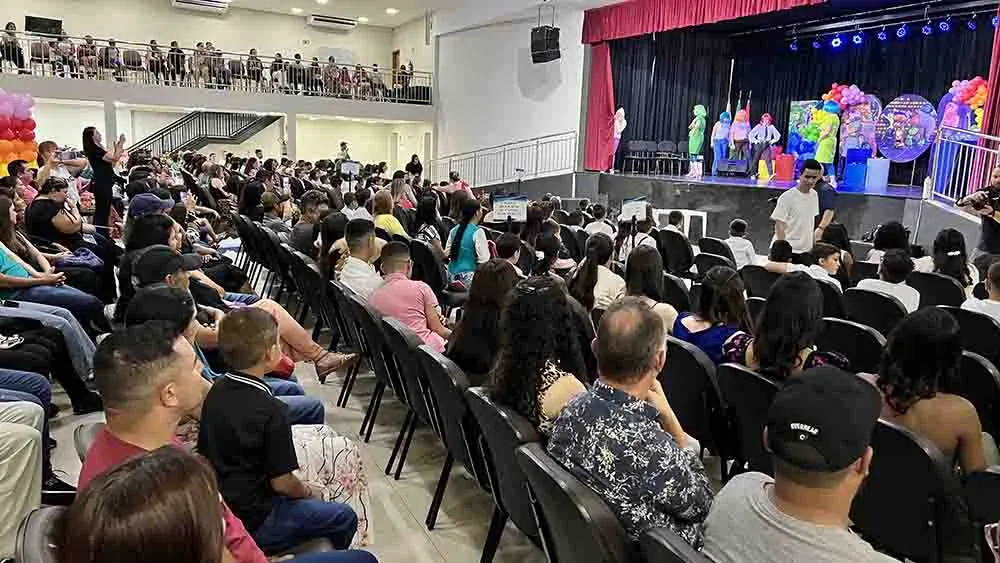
(818,431)
(161,264)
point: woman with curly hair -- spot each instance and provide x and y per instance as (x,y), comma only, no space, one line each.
(784,341)
(473,345)
(719,312)
(539,367)
(922,351)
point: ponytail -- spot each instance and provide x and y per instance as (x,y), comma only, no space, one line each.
(469,209)
(548,245)
(581,287)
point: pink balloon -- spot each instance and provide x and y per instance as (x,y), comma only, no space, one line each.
(22,113)
(6,110)
(28,100)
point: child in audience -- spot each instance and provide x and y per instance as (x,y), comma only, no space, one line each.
(628,241)
(599,225)
(675,222)
(509,249)
(951,259)
(991,305)
(741,246)
(896,267)
(719,312)
(593,284)
(467,245)
(826,258)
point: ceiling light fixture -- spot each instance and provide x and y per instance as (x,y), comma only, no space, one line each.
(296,10)
(391,11)
(322,1)
(362,19)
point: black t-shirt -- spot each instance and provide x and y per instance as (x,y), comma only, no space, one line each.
(38,221)
(246,435)
(989,238)
(415,168)
(103,172)
(827,195)
(302,238)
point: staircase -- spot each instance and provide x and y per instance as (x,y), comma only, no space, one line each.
(198,129)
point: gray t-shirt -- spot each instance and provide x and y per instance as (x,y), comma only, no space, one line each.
(744,526)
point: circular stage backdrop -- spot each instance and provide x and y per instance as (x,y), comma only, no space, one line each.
(906,128)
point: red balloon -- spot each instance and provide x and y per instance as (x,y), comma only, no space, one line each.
(15,124)
(4,123)
(6,134)
(29,124)
(27,135)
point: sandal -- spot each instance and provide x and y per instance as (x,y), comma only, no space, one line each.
(328,362)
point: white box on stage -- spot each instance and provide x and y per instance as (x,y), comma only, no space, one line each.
(877,176)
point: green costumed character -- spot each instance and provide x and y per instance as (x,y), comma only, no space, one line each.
(696,139)
(828,120)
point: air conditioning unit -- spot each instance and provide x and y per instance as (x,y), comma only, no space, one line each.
(210,6)
(331,22)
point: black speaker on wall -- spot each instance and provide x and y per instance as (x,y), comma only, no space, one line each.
(545,44)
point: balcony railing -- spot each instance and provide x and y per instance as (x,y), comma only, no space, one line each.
(532,158)
(963,161)
(88,58)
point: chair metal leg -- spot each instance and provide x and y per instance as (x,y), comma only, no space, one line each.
(399,441)
(406,447)
(371,423)
(432,513)
(497,523)
(371,412)
(352,376)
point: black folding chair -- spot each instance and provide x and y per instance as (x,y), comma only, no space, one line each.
(675,292)
(757,280)
(677,253)
(862,345)
(748,396)
(880,311)
(936,289)
(705,262)
(979,382)
(663,545)
(755,306)
(689,382)
(716,246)
(980,333)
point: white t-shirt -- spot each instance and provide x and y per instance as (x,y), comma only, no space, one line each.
(743,251)
(984,306)
(818,273)
(641,239)
(909,297)
(609,288)
(600,226)
(798,212)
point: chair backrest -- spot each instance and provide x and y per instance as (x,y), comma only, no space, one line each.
(863,271)
(706,261)
(370,330)
(675,292)
(35,543)
(678,256)
(713,245)
(402,346)
(428,267)
(503,431)
(572,243)
(757,280)
(979,291)
(636,146)
(662,545)
(748,396)
(345,312)
(979,382)
(574,522)
(936,289)
(581,238)
(861,249)
(861,344)
(871,308)
(899,507)
(833,300)
(754,306)
(980,333)
(667,146)
(688,380)
(84,436)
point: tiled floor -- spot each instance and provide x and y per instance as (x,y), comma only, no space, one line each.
(399,507)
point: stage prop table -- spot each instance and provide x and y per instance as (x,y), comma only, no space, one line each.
(784,168)
(877,177)
(855,167)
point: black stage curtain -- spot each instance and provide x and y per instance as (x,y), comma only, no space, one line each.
(692,66)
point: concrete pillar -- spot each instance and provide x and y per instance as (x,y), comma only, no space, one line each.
(291,131)
(111,124)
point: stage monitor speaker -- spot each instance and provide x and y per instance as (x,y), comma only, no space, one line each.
(545,44)
(732,167)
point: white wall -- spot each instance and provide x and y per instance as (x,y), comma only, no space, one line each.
(369,142)
(238,31)
(489,92)
(269,140)
(64,122)
(411,41)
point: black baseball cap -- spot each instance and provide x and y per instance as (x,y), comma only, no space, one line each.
(822,419)
(148,204)
(157,262)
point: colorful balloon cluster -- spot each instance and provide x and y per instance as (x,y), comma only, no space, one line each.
(970,92)
(17,128)
(845,95)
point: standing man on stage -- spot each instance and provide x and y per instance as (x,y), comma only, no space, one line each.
(762,136)
(795,214)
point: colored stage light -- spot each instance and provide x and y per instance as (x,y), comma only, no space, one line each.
(836,41)
(971,24)
(945,25)
(817,44)
(927,29)
(858,38)
(902,31)
(994,21)
(794,45)
(882,35)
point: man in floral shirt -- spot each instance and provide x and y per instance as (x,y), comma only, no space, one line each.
(622,438)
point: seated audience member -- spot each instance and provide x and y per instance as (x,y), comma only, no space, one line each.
(162,502)
(991,305)
(53,218)
(19,170)
(644,279)
(273,211)
(246,435)
(412,302)
(314,207)
(741,246)
(509,249)
(539,367)
(896,267)
(354,205)
(474,342)
(467,245)
(531,228)
(427,223)
(564,260)
(21,450)
(826,258)
(401,192)
(384,219)
(622,438)
(593,284)
(951,259)
(628,240)
(818,431)
(836,234)
(78,343)
(719,312)
(332,248)
(888,236)
(675,222)
(784,337)
(358,274)
(599,224)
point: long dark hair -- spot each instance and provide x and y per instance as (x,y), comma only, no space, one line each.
(950,256)
(721,299)
(924,349)
(536,327)
(790,321)
(644,273)
(581,286)
(332,229)
(532,225)
(90,146)
(148,230)
(548,246)
(427,213)
(8,230)
(473,345)
(891,235)
(470,208)
(456,202)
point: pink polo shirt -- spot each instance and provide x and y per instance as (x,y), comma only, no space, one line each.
(407,300)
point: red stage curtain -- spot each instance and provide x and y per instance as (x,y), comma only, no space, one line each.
(639,17)
(600,110)
(991,109)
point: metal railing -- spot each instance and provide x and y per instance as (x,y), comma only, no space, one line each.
(532,158)
(139,63)
(962,162)
(196,129)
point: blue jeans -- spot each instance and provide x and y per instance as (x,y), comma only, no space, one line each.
(32,388)
(301,409)
(719,148)
(81,348)
(244,298)
(296,521)
(83,306)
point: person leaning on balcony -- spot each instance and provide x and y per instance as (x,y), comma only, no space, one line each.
(986,204)
(11,50)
